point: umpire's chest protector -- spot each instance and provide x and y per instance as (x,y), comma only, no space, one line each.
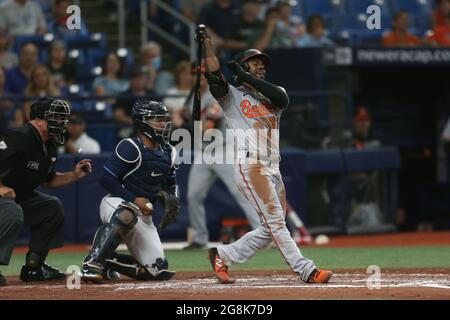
(152,170)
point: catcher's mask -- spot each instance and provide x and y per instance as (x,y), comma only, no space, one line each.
(56,112)
(153,119)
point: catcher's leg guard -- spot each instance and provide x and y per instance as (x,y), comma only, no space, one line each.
(107,239)
(127,265)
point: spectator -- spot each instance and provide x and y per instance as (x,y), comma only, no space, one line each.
(58,23)
(62,71)
(273,36)
(157,80)
(191,8)
(8,59)
(125,102)
(247,31)
(316,36)
(218,15)
(111,83)
(289,22)
(41,84)
(353,196)
(399,36)
(6,107)
(439,15)
(441,34)
(22,17)
(78,140)
(17,78)
(184,81)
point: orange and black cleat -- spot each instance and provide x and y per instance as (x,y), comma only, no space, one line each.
(219,268)
(320,276)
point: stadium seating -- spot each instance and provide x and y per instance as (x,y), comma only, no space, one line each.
(323,7)
(412,6)
(360,6)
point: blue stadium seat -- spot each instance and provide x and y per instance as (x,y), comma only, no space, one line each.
(77,41)
(355,22)
(106,134)
(322,7)
(360,6)
(412,6)
(19,41)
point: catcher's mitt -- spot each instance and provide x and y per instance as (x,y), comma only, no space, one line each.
(171,208)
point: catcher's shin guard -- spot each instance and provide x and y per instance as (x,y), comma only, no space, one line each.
(127,265)
(106,240)
(109,236)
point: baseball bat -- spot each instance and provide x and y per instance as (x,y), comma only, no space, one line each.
(196,104)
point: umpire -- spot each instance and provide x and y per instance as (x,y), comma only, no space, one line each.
(27,159)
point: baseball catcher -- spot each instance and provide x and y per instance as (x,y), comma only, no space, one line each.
(139,174)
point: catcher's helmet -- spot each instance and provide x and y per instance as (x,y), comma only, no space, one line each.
(153,119)
(56,112)
(246,55)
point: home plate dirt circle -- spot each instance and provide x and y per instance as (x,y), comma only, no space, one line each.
(392,284)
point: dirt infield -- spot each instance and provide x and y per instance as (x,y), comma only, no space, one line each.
(345,284)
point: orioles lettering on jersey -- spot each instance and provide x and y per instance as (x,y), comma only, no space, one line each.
(255,110)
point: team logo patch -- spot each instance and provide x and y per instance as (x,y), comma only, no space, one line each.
(3,145)
(32,165)
(255,110)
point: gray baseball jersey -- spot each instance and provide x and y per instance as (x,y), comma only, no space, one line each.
(250,111)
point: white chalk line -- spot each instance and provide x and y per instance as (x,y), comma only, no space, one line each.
(439,281)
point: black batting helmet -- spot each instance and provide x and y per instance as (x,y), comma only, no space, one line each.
(248,54)
(153,119)
(56,112)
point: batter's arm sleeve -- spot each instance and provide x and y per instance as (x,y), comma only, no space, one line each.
(277,95)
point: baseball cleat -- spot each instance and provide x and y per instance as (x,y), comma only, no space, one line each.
(92,272)
(111,274)
(319,276)
(42,273)
(219,268)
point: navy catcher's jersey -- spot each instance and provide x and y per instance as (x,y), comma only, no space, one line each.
(141,170)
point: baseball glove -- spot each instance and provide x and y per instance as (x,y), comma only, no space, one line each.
(171,208)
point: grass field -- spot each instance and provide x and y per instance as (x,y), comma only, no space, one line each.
(270,259)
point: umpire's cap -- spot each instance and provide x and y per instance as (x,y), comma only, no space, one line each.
(252,53)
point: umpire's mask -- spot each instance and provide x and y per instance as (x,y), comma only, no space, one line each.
(56,112)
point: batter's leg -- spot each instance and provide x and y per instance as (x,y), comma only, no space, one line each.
(266,192)
(200,180)
(226,174)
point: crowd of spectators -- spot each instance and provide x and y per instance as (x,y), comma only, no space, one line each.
(31,71)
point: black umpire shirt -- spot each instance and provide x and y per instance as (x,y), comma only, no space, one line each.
(25,161)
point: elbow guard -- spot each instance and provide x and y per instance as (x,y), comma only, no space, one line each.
(217,84)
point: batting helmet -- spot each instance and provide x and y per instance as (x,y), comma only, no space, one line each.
(153,118)
(248,54)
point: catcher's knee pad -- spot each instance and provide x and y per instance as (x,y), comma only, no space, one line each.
(110,235)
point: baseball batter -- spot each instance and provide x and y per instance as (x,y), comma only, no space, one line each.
(257,105)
